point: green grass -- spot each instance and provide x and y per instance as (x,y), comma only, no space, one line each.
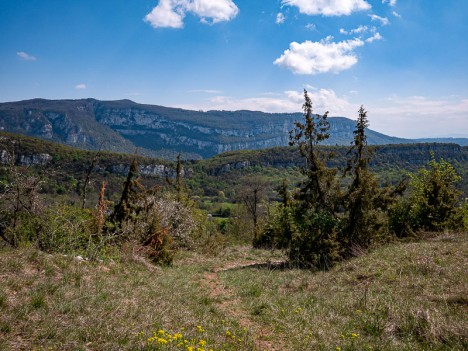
(405,296)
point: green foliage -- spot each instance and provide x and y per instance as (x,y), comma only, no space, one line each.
(365,203)
(433,198)
(315,242)
(279,230)
(125,208)
(308,226)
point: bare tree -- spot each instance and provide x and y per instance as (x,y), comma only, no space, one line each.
(251,194)
(18,197)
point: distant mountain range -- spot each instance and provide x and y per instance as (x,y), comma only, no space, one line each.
(158,131)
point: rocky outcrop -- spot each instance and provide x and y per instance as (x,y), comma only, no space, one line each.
(41,159)
(34,160)
(149,170)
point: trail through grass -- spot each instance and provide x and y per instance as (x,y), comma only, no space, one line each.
(405,296)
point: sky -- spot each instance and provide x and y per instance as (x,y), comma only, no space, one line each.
(406,61)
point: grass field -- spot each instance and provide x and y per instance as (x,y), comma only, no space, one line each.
(405,296)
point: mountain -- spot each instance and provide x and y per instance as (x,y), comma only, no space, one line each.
(123,126)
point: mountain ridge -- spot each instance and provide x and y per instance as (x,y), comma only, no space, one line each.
(159,131)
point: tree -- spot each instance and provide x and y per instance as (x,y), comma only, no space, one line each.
(306,136)
(360,200)
(251,195)
(125,207)
(433,195)
(19,198)
(314,240)
(366,204)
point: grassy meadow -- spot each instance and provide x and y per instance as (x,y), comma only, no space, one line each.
(403,296)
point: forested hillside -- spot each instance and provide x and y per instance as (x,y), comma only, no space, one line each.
(67,166)
(122,126)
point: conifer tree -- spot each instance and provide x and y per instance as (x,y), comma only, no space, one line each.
(124,208)
(362,192)
(307,135)
(366,203)
(434,196)
(314,241)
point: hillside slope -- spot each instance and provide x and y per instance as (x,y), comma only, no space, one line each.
(405,296)
(123,125)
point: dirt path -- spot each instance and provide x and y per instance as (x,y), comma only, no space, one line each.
(231,306)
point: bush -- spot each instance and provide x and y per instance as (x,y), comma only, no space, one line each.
(431,204)
(315,243)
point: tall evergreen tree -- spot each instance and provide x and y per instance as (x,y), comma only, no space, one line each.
(124,208)
(359,199)
(313,242)
(307,136)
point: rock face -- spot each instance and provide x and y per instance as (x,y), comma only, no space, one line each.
(34,160)
(25,159)
(149,170)
(125,125)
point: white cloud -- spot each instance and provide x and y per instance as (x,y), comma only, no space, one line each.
(280,18)
(376,36)
(80,86)
(420,116)
(166,14)
(171,13)
(25,56)
(311,26)
(383,20)
(328,7)
(396,14)
(390,2)
(287,101)
(320,57)
(359,30)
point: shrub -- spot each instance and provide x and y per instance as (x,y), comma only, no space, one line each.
(433,197)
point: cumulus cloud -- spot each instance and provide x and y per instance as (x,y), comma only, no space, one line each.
(280,18)
(328,7)
(80,86)
(311,26)
(375,37)
(166,14)
(287,101)
(25,56)
(171,13)
(383,20)
(320,57)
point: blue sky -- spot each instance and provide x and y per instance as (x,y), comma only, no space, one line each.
(406,61)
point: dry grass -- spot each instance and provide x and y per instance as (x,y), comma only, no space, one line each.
(407,296)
